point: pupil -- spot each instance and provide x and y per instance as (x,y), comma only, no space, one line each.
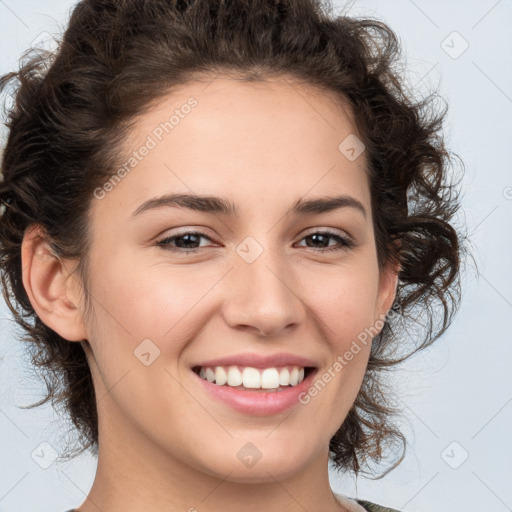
(316,236)
(183,237)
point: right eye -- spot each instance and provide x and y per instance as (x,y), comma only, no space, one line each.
(182,240)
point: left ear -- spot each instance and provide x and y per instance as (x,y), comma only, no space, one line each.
(388,282)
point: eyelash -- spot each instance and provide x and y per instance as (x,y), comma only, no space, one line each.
(346,242)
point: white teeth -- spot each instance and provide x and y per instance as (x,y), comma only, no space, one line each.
(269,378)
(234,376)
(254,378)
(220,376)
(284,377)
(210,375)
(294,376)
(251,378)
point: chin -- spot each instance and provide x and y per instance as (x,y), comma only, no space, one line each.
(261,468)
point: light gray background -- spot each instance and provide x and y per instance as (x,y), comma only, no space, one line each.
(460,390)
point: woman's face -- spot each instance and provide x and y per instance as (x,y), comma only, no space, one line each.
(257,282)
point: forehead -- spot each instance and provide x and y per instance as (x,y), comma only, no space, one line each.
(224,136)
(230,110)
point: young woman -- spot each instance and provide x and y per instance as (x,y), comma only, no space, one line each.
(219,220)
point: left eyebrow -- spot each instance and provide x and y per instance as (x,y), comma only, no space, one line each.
(212,204)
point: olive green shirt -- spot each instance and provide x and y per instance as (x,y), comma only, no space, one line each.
(370,507)
(367,505)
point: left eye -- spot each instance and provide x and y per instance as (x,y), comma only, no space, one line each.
(343,242)
(184,240)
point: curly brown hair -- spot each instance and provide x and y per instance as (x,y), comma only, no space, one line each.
(73,108)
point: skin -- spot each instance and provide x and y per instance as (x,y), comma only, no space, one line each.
(164,443)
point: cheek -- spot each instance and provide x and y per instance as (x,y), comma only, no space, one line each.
(155,302)
(143,317)
(343,300)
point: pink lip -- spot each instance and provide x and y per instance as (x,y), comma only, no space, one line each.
(259,361)
(258,402)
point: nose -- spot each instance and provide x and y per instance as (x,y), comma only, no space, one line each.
(263,297)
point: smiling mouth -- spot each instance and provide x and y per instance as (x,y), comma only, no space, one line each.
(255,379)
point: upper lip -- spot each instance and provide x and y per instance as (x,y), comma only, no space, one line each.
(260,361)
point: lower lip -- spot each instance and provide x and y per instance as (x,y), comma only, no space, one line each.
(258,402)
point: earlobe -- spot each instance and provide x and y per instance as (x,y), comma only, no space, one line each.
(51,289)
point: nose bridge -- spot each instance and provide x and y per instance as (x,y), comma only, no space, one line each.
(264,296)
